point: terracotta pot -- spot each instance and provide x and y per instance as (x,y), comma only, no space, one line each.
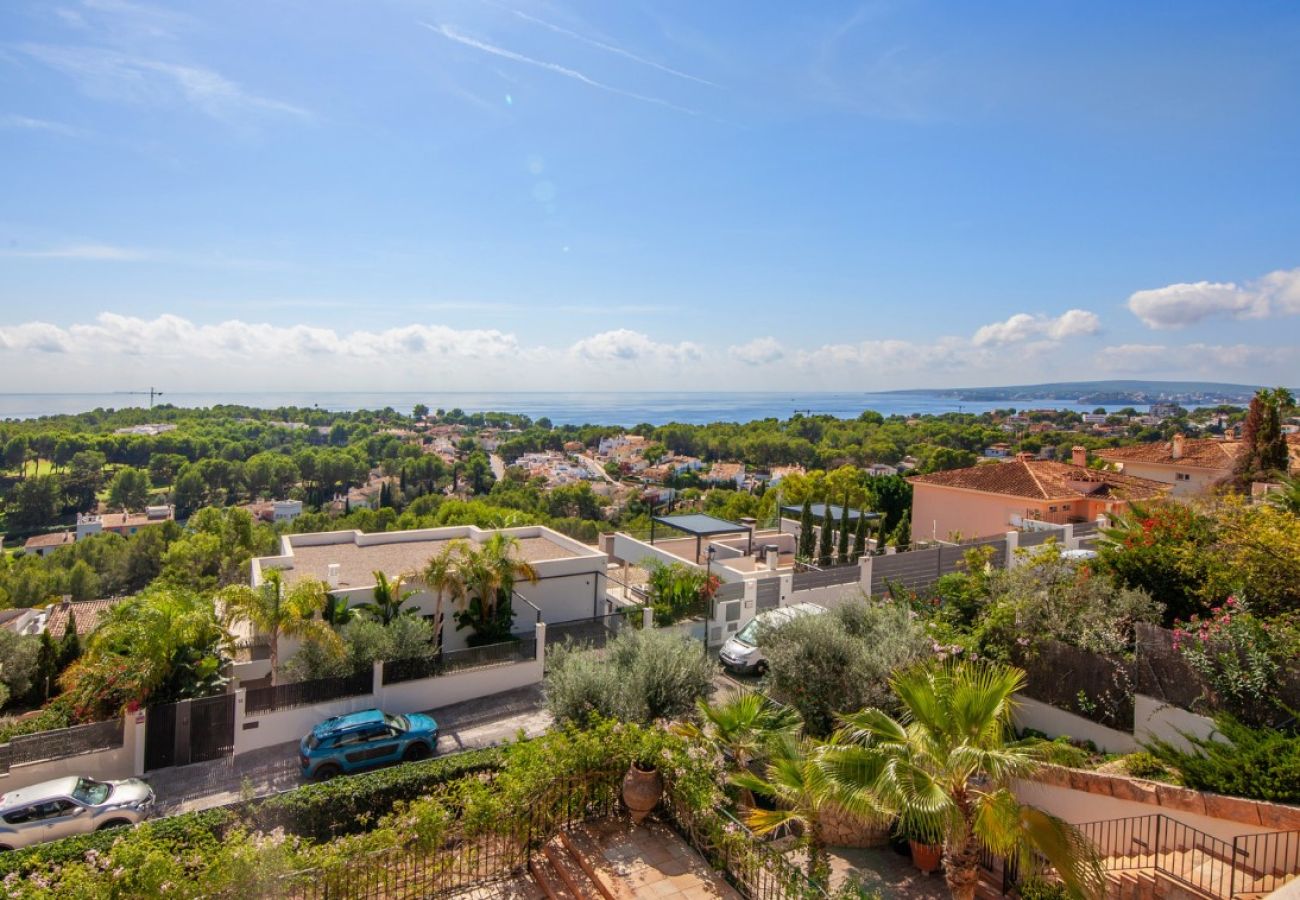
(642,789)
(926,857)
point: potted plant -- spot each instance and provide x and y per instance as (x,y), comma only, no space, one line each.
(927,853)
(643,787)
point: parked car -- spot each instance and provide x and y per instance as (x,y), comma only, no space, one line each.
(741,652)
(67,806)
(363,739)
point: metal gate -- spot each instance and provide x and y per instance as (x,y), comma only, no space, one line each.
(190,731)
(212,727)
(160,737)
(769,594)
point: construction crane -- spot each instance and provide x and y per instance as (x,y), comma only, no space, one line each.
(152,392)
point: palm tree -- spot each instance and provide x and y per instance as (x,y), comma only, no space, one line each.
(490,575)
(388,601)
(444,576)
(800,787)
(742,729)
(945,766)
(1287,499)
(336,611)
(278,612)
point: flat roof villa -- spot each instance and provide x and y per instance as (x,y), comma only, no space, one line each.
(570,575)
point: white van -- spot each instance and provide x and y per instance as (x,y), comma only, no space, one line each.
(741,653)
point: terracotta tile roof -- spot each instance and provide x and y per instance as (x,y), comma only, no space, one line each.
(54,539)
(1201,453)
(1042,479)
(86,613)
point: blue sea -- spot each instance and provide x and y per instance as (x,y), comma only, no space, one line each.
(626,408)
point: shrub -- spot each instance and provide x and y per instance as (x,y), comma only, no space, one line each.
(1144,765)
(1258,763)
(825,664)
(1040,889)
(677,590)
(641,676)
(1239,658)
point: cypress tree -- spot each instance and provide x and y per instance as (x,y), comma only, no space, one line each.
(806,530)
(70,648)
(825,545)
(47,668)
(842,550)
(860,539)
(902,537)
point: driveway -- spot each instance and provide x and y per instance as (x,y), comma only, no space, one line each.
(474,724)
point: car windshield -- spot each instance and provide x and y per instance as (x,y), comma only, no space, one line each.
(398,722)
(90,792)
(748,635)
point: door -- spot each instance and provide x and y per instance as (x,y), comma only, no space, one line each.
(160,737)
(212,727)
(368,746)
(63,818)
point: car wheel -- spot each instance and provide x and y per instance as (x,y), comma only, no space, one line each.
(114,823)
(326,772)
(761,669)
(5,848)
(419,750)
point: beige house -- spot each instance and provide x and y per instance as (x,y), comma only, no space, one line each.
(990,499)
(1191,465)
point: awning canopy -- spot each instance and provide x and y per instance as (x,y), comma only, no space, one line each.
(701,526)
(837,513)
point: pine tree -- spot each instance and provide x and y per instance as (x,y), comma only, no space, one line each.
(859,539)
(1270,441)
(806,530)
(826,544)
(47,668)
(842,550)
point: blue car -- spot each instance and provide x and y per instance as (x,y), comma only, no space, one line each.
(363,739)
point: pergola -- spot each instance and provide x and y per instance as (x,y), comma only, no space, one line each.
(701,526)
(837,513)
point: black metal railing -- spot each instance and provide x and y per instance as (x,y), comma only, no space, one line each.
(61,743)
(305,693)
(594,631)
(1251,864)
(448,662)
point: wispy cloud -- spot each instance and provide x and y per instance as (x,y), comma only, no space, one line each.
(88,252)
(27,123)
(109,74)
(452,34)
(611,48)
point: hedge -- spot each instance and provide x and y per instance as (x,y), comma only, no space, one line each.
(316,811)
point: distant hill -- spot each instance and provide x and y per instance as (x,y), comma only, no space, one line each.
(1200,392)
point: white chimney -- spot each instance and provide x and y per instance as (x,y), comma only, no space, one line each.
(1079,456)
(1177,452)
(332,574)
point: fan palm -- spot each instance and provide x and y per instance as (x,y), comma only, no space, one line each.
(801,788)
(277,611)
(388,601)
(1287,499)
(444,575)
(945,766)
(742,729)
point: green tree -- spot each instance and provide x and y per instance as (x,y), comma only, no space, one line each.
(860,539)
(444,575)
(491,571)
(945,767)
(70,645)
(389,600)
(129,489)
(842,547)
(806,539)
(277,611)
(34,503)
(902,537)
(826,538)
(84,478)
(83,583)
(19,664)
(1288,498)
(162,645)
(742,729)
(797,784)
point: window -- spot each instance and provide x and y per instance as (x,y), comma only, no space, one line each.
(1182,476)
(1051,509)
(1066,506)
(19,816)
(90,792)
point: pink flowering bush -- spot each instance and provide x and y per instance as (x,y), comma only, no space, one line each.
(1237,655)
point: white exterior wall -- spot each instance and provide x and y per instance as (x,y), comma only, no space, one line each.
(118,762)
(1055,722)
(1154,718)
(1078,807)
(1200,481)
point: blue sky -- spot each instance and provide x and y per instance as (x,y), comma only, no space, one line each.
(510,194)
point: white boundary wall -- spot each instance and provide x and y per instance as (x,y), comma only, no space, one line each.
(117,762)
(1054,722)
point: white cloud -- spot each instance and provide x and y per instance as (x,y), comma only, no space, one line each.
(112,75)
(625,346)
(1179,305)
(758,352)
(1023,327)
(27,123)
(91,252)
